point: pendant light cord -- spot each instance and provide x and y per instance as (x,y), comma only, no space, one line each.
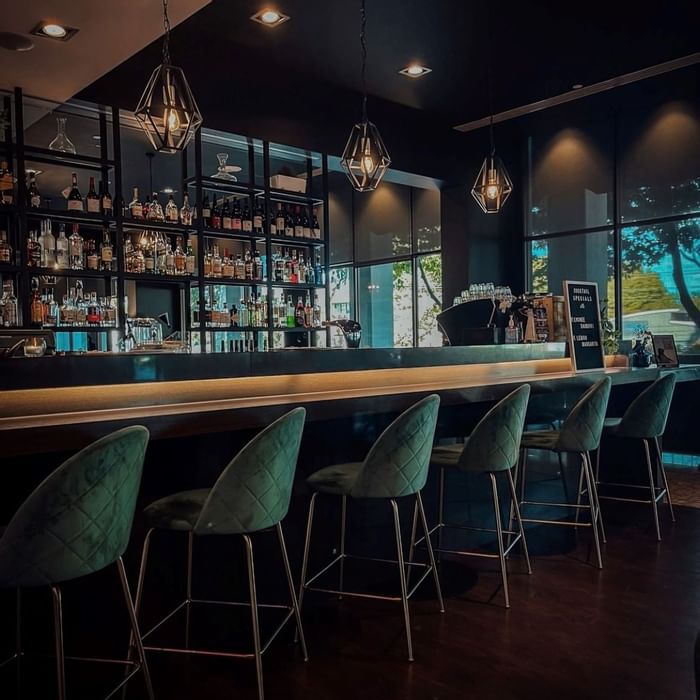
(489,79)
(166,38)
(363,44)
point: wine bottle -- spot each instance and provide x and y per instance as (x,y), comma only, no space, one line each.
(246,220)
(226,221)
(92,200)
(306,224)
(236,222)
(215,215)
(206,211)
(33,196)
(75,200)
(258,218)
(298,224)
(280,219)
(136,208)
(106,200)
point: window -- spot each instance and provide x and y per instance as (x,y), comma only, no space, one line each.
(661,280)
(341,292)
(429,299)
(385,294)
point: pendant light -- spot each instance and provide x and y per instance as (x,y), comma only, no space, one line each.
(167,110)
(493,184)
(365,158)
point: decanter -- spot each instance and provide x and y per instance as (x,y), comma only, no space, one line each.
(62,142)
(224,171)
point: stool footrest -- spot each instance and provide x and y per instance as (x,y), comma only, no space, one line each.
(584,506)
(566,523)
(485,555)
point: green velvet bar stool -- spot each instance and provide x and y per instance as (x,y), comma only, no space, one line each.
(492,447)
(395,467)
(251,495)
(75,523)
(645,420)
(580,434)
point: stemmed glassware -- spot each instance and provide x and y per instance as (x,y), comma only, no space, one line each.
(62,143)
(224,171)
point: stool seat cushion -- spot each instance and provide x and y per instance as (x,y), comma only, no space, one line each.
(447,455)
(179,511)
(337,479)
(540,439)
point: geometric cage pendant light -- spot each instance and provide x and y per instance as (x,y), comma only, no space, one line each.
(365,158)
(167,110)
(493,184)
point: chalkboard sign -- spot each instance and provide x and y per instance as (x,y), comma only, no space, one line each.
(583,325)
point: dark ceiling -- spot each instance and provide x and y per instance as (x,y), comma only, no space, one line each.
(299,82)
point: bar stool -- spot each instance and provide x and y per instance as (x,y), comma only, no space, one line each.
(252,494)
(492,447)
(75,523)
(580,433)
(396,466)
(645,420)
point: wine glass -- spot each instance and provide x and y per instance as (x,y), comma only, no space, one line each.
(224,171)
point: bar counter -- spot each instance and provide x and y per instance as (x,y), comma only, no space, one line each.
(67,416)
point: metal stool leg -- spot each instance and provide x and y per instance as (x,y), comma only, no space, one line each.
(429,544)
(402,577)
(343,516)
(305,559)
(562,476)
(188,606)
(254,615)
(18,641)
(292,592)
(441,510)
(499,534)
(588,473)
(412,546)
(58,632)
(662,469)
(519,520)
(135,632)
(595,496)
(579,492)
(652,488)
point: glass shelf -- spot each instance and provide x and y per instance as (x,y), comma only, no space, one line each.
(51,272)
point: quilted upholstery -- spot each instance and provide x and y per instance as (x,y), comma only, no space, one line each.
(337,479)
(78,520)
(646,416)
(254,490)
(583,427)
(177,512)
(494,444)
(397,464)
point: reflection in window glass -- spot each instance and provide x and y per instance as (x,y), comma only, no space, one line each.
(586,256)
(426,220)
(429,286)
(386,305)
(341,292)
(659,173)
(661,281)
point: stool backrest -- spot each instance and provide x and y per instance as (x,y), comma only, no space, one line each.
(646,416)
(494,444)
(583,427)
(254,490)
(397,464)
(78,520)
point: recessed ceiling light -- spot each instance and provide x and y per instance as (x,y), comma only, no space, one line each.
(53,30)
(415,70)
(269,17)
(576,86)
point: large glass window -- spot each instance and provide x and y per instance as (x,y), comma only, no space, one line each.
(429,299)
(385,294)
(341,291)
(661,280)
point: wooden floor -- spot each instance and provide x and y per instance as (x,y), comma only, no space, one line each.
(572,632)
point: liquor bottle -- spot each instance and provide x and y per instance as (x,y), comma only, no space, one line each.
(190,262)
(226,222)
(294,268)
(308,312)
(244,320)
(155,211)
(272,223)
(169,258)
(288,224)
(92,258)
(216,263)
(180,257)
(33,196)
(171,212)
(290,312)
(186,211)
(239,272)
(106,200)
(5,249)
(258,218)
(62,249)
(248,265)
(306,224)
(234,315)
(7,184)
(298,224)
(206,211)
(149,263)
(207,264)
(33,250)
(136,208)
(75,199)
(8,305)
(316,312)
(47,245)
(106,252)
(236,221)
(258,272)
(36,308)
(215,215)
(299,314)
(278,267)
(76,249)
(51,312)
(92,199)
(319,272)
(147,206)
(246,220)
(280,219)
(316,227)
(94,315)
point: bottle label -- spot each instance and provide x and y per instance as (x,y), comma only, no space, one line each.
(227,223)
(107,254)
(75,205)
(280,223)
(257,222)
(247,226)
(172,216)
(299,231)
(189,266)
(317,233)
(236,224)
(107,204)
(93,206)
(289,231)
(92,262)
(136,211)
(35,201)
(206,213)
